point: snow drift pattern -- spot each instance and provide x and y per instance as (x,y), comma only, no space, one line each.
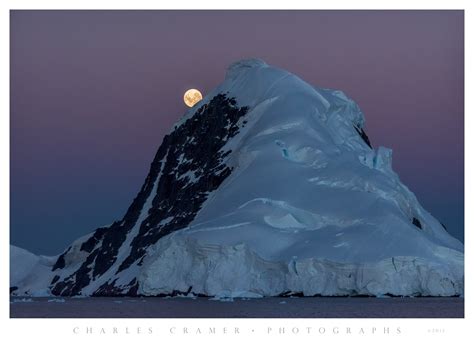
(268,186)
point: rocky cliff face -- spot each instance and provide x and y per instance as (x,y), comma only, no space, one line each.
(188,166)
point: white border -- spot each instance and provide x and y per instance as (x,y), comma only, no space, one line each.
(57,330)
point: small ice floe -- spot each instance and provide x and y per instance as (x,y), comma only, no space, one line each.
(282,302)
(223,299)
(187,296)
(118,301)
(23,300)
(56,300)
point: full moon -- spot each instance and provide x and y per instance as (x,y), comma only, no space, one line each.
(192,97)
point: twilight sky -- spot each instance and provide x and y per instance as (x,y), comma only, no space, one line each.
(94,92)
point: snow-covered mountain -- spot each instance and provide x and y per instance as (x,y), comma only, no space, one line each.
(268,186)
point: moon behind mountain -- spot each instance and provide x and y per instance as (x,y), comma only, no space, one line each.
(192,97)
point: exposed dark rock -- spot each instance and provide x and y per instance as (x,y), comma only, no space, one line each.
(110,289)
(416,222)
(191,163)
(74,283)
(13,289)
(55,279)
(89,245)
(61,262)
(194,147)
(363,135)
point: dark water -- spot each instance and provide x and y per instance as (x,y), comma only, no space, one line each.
(317,307)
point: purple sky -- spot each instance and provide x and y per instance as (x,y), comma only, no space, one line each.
(93,93)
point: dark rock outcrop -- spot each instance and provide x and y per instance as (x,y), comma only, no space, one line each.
(189,164)
(417,223)
(363,135)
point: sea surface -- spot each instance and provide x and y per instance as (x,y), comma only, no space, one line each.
(199,307)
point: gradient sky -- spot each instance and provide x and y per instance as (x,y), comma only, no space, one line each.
(94,92)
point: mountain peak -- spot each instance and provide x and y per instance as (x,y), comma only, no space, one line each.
(244,64)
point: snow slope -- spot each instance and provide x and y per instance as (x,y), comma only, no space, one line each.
(268,186)
(30,272)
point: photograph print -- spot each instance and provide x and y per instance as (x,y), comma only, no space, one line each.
(236,164)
